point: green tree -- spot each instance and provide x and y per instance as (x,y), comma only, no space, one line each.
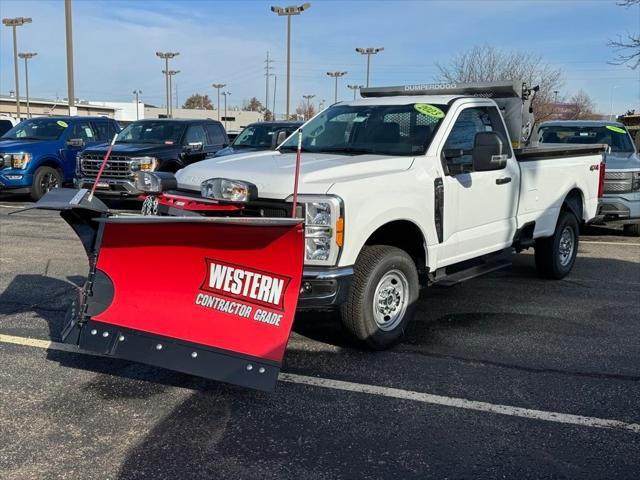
(198,102)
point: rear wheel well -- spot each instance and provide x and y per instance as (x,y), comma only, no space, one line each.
(404,235)
(573,203)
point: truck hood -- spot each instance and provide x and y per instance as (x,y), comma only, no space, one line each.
(616,161)
(131,149)
(273,172)
(28,146)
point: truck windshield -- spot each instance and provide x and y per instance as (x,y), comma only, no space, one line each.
(258,135)
(614,136)
(161,132)
(37,129)
(371,129)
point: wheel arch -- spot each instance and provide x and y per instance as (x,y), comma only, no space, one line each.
(574,203)
(405,235)
(49,162)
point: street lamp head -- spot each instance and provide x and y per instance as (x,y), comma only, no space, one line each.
(291,10)
(369,50)
(16,22)
(27,55)
(219,85)
(167,54)
(336,74)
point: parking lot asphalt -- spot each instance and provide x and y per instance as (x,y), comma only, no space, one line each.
(505,376)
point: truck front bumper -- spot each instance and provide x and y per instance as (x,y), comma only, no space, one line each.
(111,187)
(324,288)
(16,181)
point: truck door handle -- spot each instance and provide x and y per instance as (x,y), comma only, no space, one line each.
(503,180)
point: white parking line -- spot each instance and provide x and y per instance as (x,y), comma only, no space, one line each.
(610,243)
(410,395)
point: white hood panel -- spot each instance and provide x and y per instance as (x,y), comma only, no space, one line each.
(273,172)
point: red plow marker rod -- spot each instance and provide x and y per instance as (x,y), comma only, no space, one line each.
(104,162)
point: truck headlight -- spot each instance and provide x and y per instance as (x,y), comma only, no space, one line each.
(143,164)
(636,181)
(324,228)
(19,160)
(228,190)
(155,182)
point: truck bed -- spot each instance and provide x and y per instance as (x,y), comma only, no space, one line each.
(548,174)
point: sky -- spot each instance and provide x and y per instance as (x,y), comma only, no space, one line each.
(226,42)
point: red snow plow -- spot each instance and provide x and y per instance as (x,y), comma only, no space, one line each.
(215,297)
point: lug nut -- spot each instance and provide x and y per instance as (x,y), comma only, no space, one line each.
(249,367)
(159,346)
(94,331)
(194,354)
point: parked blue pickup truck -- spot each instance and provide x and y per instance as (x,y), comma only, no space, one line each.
(40,153)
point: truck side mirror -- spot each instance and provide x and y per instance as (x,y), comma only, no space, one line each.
(75,143)
(279,137)
(488,152)
(194,147)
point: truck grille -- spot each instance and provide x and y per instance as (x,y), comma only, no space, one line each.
(117,166)
(618,182)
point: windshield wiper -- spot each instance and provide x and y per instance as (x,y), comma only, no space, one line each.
(347,150)
(293,148)
(22,138)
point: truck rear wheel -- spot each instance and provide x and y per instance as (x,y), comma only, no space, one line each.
(45,179)
(383,295)
(556,255)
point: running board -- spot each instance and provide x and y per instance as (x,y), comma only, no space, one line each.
(445,280)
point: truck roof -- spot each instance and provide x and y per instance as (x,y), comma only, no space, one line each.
(581,123)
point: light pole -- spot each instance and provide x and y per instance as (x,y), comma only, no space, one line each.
(355,88)
(225,94)
(13,23)
(613,87)
(368,52)
(170,74)
(27,56)
(289,12)
(336,75)
(166,56)
(218,86)
(136,93)
(308,110)
(68,21)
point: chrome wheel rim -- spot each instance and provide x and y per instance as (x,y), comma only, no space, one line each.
(49,181)
(566,246)
(390,300)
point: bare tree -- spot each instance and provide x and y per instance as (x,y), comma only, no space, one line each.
(197,101)
(581,107)
(254,105)
(489,64)
(627,46)
(306,109)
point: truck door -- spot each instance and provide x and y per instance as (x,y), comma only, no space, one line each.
(481,206)
(196,144)
(81,130)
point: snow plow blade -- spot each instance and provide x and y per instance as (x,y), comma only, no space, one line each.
(213,297)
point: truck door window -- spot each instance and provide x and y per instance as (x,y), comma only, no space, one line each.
(84,131)
(195,134)
(459,145)
(216,134)
(104,131)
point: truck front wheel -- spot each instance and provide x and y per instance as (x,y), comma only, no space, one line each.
(556,255)
(45,179)
(383,295)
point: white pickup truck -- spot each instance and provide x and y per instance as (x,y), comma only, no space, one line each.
(406,187)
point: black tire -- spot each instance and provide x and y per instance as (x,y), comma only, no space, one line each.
(358,313)
(552,258)
(45,179)
(632,229)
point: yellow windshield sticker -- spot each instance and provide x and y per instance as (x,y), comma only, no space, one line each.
(429,110)
(613,128)
(62,124)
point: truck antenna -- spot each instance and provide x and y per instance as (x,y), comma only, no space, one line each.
(104,162)
(297,175)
